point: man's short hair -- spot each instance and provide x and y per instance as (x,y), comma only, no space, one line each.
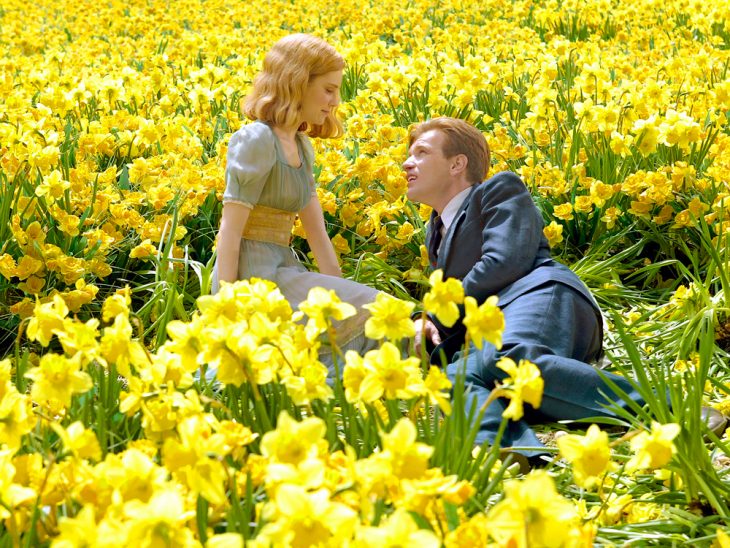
(460,137)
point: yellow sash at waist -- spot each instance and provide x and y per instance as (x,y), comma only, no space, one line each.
(267,224)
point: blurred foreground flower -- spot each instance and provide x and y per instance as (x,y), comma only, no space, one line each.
(524,384)
(484,322)
(297,517)
(443,299)
(322,306)
(590,455)
(16,410)
(57,379)
(78,441)
(654,449)
(533,514)
(381,372)
(47,319)
(12,495)
(389,318)
(437,387)
(399,529)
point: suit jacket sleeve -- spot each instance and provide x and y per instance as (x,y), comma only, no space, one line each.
(510,237)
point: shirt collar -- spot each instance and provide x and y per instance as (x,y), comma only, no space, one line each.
(452,208)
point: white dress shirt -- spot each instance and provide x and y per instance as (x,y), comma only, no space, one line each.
(452,208)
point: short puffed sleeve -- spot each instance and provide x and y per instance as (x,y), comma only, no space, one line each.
(251,156)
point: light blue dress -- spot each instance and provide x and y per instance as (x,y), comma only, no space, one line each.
(257,173)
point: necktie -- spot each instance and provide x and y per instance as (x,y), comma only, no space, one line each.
(435,243)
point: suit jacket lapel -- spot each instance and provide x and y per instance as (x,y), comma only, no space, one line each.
(429,235)
(445,250)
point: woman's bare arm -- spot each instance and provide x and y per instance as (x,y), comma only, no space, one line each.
(313,223)
(233,221)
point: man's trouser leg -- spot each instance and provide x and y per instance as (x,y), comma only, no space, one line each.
(557,329)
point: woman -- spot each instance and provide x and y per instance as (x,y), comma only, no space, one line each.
(269,181)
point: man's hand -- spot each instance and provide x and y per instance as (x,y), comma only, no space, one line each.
(425,329)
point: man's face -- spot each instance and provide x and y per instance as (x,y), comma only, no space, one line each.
(427,169)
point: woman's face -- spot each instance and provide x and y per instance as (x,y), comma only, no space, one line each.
(321,96)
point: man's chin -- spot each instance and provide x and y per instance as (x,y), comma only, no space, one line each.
(418,198)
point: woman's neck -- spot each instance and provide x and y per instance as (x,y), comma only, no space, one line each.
(285,133)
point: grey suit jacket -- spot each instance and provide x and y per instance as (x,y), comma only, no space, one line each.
(496,246)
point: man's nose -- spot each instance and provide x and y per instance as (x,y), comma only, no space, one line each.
(408,163)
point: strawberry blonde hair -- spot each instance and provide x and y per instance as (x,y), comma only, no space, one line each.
(278,90)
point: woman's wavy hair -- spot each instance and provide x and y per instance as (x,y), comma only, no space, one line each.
(278,90)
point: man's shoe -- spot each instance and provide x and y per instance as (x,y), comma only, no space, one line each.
(515,457)
(540,460)
(716,422)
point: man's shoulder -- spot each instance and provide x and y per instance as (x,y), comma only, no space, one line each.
(502,186)
(503,179)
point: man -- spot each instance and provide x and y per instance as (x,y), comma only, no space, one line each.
(490,236)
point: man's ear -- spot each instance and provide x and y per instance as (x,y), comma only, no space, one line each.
(458,164)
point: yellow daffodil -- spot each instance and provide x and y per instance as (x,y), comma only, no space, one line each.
(398,529)
(293,441)
(655,448)
(16,412)
(16,416)
(472,532)
(27,266)
(484,322)
(144,250)
(7,266)
(389,375)
(308,384)
(532,513)
(554,233)
(353,375)
(323,306)
(407,457)
(194,458)
(116,304)
(563,212)
(437,385)
(160,520)
(118,347)
(78,530)
(47,319)
(589,455)
(523,384)
(57,379)
(79,441)
(300,518)
(389,318)
(225,540)
(444,297)
(12,494)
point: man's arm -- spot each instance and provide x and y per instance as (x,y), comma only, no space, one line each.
(510,237)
